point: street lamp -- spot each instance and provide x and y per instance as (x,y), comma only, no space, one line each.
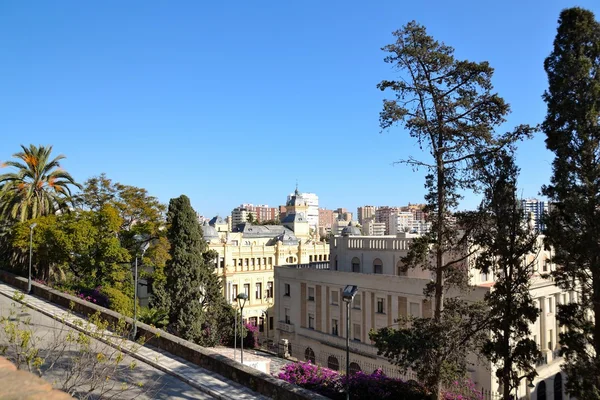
(242,296)
(143,246)
(348,296)
(30,254)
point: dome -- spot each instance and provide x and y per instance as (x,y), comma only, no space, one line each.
(351,230)
(209,232)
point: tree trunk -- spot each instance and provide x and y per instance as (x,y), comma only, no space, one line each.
(596,316)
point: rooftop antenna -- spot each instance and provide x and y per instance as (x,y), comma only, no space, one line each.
(296,185)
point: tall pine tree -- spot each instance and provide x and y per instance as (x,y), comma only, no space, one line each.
(572,126)
(506,241)
(449,107)
(192,293)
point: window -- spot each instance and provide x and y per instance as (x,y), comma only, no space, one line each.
(258,293)
(377,266)
(261,324)
(311,321)
(400,268)
(335,264)
(356,332)
(247,289)
(287,289)
(550,332)
(270,323)
(357,302)
(335,297)
(269,290)
(254,321)
(287,316)
(354,368)
(380,306)
(309,355)
(234,292)
(334,327)
(311,294)
(415,309)
(333,363)
(355,264)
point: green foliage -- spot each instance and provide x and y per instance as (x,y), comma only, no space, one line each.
(118,301)
(435,351)
(154,316)
(192,292)
(573,134)
(509,250)
(37,188)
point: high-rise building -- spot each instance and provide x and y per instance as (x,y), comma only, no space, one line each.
(382,214)
(325,221)
(342,214)
(370,227)
(535,208)
(312,201)
(365,212)
(262,212)
(239,215)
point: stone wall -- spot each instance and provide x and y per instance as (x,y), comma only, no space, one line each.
(201,356)
(22,385)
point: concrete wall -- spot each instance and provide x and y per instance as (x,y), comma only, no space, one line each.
(201,356)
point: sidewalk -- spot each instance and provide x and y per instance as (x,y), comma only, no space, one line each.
(204,380)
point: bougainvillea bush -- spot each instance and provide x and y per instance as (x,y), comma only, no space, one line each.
(375,386)
(331,384)
(462,390)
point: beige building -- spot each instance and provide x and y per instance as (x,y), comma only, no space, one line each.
(365,212)
(311,314)
(247,257)
(371,227)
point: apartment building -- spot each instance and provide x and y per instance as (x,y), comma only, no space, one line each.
(365,212)
(262,212)
(535,209)
(371,227)
(382,214)
(311,314)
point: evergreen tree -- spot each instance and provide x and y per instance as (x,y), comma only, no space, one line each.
(450,108)
(509,251)
(192,293)
(572,126)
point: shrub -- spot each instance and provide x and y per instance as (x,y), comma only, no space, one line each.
(117,301)
(251,338)
(362,386)
(462,390)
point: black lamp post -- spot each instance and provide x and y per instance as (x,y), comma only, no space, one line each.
(348,296)
(244,297)
(143,246)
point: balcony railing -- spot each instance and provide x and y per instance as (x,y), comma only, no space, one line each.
(339,342)
(313,265)
(282,326)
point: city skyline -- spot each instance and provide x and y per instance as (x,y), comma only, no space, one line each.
(236,106)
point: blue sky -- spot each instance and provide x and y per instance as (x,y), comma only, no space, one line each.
(232,102)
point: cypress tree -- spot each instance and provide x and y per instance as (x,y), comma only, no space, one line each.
(573,224)
(505,241)
(193,292)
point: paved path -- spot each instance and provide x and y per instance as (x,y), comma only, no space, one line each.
(184,380)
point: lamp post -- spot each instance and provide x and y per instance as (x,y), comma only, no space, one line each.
(269,304)
(244,297)
(143,246)
(234,330)
(348,296)
(30,254)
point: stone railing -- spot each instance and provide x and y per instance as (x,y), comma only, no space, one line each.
(282,326)
(312,265)
(339,342)
(204,357)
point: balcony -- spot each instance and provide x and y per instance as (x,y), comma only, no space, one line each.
(339,342)
(312,265)
(282,326)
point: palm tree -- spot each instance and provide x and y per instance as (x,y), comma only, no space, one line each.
(38,187)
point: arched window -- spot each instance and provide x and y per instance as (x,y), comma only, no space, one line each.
(355,264)
(541,391)
(400,268)
(309,355)
(354,368)
(333,363)
(558,387)
(377,266)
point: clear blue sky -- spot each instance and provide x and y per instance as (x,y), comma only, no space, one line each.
(232,102)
